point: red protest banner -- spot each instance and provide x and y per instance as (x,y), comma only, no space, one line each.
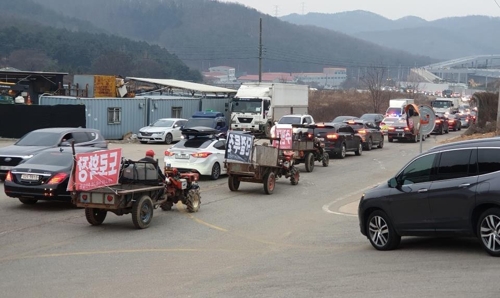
(285,136)
(96,169)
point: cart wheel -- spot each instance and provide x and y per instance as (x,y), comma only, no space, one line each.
(142,212)
(233,183)
(269,183)
(309,162)
(193,200)
(295,177)
(326,159)
(95,216)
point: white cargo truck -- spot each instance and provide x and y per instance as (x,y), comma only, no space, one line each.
(257,106)
(446,105)
(397,107)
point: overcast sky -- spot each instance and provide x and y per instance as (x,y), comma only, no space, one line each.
(393,9)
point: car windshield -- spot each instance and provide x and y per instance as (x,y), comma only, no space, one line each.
(394,111)
(240,106)
(62,159)
(39,138)
(400,122)
(356,126)
(368,117)
(194,143)
(441,104)
(205,122)
(163,123)
(390,120)
(342,118)
(289,120)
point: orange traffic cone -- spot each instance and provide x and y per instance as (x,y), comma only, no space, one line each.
(28,101)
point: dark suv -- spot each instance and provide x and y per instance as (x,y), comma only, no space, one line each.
(41,139)
(450,190)
(339,138)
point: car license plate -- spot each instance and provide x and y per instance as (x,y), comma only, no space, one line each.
(321,139)
(399,129)
(30,177)
(182,156)
(5,168)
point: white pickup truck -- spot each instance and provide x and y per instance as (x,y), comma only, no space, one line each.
(287,121)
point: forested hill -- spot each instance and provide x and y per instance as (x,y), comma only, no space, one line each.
(31,46)
(446,38)
(204,33)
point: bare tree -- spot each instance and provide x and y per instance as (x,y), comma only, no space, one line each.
(374,79)
(113,63)
(414,84)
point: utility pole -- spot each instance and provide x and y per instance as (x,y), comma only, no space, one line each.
(260,51)
(303,8)
(276,7)
(498,114)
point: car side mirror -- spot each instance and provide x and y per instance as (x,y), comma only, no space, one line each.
(393,183)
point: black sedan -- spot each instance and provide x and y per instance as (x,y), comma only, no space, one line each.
(454,123)
(369,133)
(41,139)
(373,118)
(45,176)
(442,125)
(339,139)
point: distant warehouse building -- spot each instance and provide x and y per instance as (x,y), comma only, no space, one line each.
(330,78)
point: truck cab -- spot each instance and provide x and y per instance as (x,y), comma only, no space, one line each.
(446,105)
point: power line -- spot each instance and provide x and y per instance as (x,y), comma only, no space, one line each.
(497,3)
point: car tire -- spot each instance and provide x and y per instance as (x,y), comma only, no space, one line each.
(359,152)
(415,139)
(193,200)
(168,139)
(295,176)
(95,216)
(369,145)
(390,140)
(380,231)
(343,151)
(233,183)
(269,182)
(27,201)
(142,212)
(488,232)
(215,174)
(460,128)
(309,162)
(326,159)
(441,131)
(381,143)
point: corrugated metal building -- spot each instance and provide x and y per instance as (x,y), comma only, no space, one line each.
(115,117)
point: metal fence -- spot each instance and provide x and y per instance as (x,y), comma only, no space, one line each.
(115,117)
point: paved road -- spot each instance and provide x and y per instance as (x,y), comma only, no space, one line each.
(302,241)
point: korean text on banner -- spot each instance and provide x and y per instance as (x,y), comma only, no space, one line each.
(285,136)
(239,147)
(96,169)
